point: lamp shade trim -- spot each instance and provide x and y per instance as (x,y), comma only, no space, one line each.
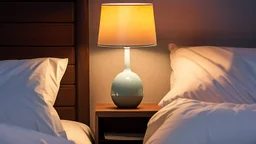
(127,4)
(131,46)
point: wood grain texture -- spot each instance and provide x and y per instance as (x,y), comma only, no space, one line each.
(66,96)
(8,53)
(141,108)
(82,59)
(110,110)
(36,12)
(67,113)
(38,0)
(69,76)
(36,34)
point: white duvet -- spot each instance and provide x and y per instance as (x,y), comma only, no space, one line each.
(187,121)
(10,134)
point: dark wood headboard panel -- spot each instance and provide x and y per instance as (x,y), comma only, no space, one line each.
(58,28)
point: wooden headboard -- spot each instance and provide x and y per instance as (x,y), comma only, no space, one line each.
(51,28)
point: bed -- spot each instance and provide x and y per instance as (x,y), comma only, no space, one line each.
(53,32)
(213,60)
(212,97)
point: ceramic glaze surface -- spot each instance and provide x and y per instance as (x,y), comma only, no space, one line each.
(127,83)
(127,89)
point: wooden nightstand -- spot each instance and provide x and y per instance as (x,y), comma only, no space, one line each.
(124,126)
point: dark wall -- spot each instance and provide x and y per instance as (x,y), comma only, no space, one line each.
(207,22)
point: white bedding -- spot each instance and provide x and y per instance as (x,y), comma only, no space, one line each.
(187,121)
(28,90)
(10,134)
(212,74)
(78,132)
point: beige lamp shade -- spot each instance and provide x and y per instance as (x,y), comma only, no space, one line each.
(127,25)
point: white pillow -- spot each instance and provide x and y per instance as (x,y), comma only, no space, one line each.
(213,74)
(28,90)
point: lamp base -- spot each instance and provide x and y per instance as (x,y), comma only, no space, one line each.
(127,90)
(127,101)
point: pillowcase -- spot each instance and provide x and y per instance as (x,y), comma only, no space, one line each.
(213,74)
(28,90)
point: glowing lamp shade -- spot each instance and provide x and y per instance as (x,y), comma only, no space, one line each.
(127,25)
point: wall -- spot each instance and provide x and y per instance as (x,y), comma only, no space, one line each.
(193,22)
(151,64)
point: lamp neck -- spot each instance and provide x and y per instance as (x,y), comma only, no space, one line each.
(127,58)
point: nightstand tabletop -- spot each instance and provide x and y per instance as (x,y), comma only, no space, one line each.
(105,110)
(141,107)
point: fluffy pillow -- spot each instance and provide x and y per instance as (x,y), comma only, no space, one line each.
(28,89)
(213,74)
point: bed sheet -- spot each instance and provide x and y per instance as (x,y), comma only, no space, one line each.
(187,121)
(11,134)
(78,132)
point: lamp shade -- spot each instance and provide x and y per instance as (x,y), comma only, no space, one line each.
(127,25)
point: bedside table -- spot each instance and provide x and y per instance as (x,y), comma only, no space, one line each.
(114,125)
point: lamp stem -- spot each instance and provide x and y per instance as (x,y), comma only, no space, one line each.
(127,58)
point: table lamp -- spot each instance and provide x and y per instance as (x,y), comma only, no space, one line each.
(127,25)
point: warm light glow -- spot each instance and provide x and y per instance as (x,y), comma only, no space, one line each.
(127,25)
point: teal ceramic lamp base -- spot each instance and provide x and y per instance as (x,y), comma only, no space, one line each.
(127,89)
